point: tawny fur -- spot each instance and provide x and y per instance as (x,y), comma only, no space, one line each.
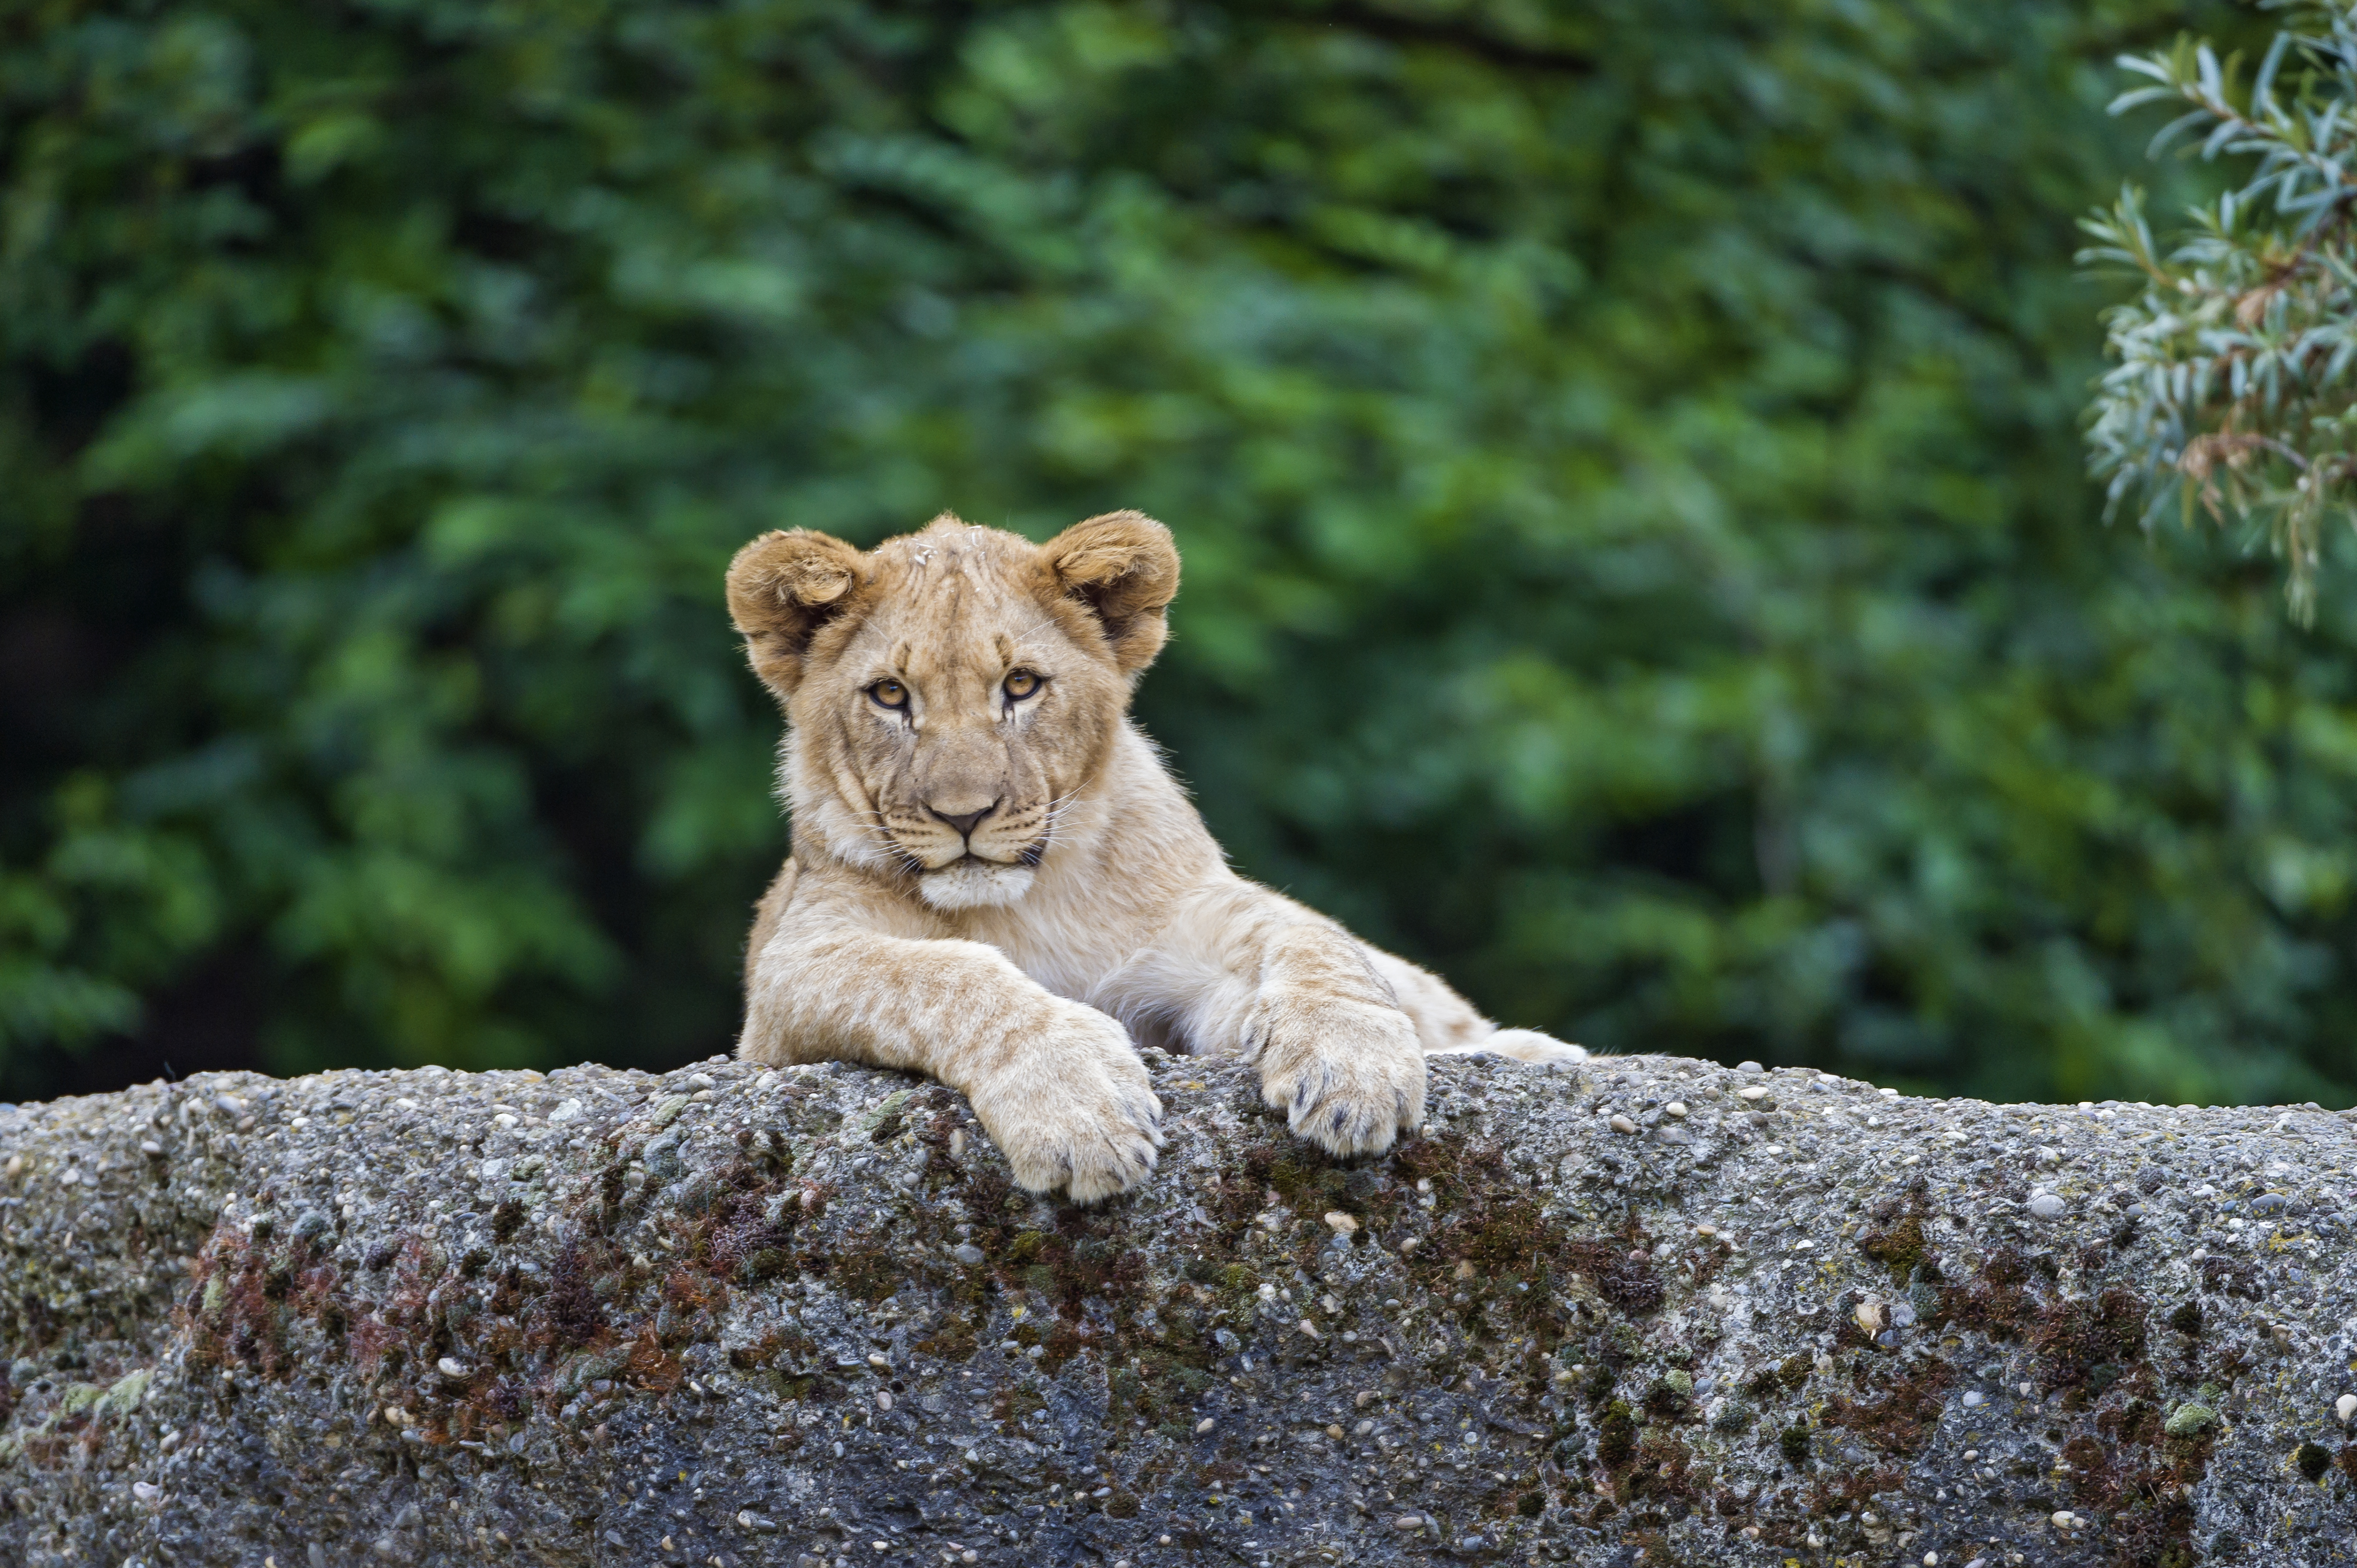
(1016,956)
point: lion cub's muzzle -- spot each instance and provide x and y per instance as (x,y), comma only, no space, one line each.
(991,838)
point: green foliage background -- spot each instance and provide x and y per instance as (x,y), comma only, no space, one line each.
(1627,458)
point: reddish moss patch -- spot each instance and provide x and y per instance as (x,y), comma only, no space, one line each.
(653,1367)
(234,1311)
(1520,1261)
(1616,1437)
(507,1219)
(1846,1491)
(2121,1463)
(1903,1419)
(953,1339)
(2151,1506)
(1995,1301)
(569,1314)
(1660,1470)
(1895,1239)
(2135,1424)
(1624,1274)
(2231,1275)
(759,1353)
(2084,1345)
(870,1266)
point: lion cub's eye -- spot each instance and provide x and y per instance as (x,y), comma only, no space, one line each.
(1021,684)
(889,695)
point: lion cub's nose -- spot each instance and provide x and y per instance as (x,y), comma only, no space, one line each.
(964,821)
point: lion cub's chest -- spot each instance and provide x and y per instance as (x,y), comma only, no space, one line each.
(1068,953)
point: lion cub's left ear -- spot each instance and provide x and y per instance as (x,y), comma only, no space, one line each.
(1124,568)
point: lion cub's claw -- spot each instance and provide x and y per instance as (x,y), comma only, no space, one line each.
(1348,1076)
(1075,1110)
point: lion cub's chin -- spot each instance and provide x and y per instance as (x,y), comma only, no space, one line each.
(975,885)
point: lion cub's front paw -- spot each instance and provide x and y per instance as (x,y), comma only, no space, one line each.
(1074,1109)
(1349,1075)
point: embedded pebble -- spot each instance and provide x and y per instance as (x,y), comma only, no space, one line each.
(1675,1108)
(1623,1125)
(967,1254)
(2046,1206)
(2345,1407)
(1340,1223)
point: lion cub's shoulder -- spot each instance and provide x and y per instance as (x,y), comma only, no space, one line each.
(768,912)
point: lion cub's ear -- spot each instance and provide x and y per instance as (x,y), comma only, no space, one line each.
(782,589)
(1124,567)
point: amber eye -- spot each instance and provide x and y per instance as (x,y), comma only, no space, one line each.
(889,695)
(1021,684)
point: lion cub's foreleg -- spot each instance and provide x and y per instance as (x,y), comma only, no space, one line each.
(1056,1084)
(1338,1029)
(1241,967)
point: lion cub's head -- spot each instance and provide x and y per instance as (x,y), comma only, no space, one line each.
(949,689)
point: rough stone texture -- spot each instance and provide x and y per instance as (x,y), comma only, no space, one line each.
(791,1317)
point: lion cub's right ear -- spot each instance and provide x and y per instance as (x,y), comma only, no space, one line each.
(782,589)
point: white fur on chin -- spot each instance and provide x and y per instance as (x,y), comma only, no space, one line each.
(970,884)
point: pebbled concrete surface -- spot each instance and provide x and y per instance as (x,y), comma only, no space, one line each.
(737,1317)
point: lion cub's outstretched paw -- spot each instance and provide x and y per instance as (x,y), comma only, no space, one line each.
(1528,1045)
(1074,1109)
(1348,1075)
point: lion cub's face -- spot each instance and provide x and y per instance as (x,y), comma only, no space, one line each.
(950,691)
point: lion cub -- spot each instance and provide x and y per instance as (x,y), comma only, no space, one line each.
(995,881)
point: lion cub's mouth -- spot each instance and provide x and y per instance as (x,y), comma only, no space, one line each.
(970,882)
(1026,859)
